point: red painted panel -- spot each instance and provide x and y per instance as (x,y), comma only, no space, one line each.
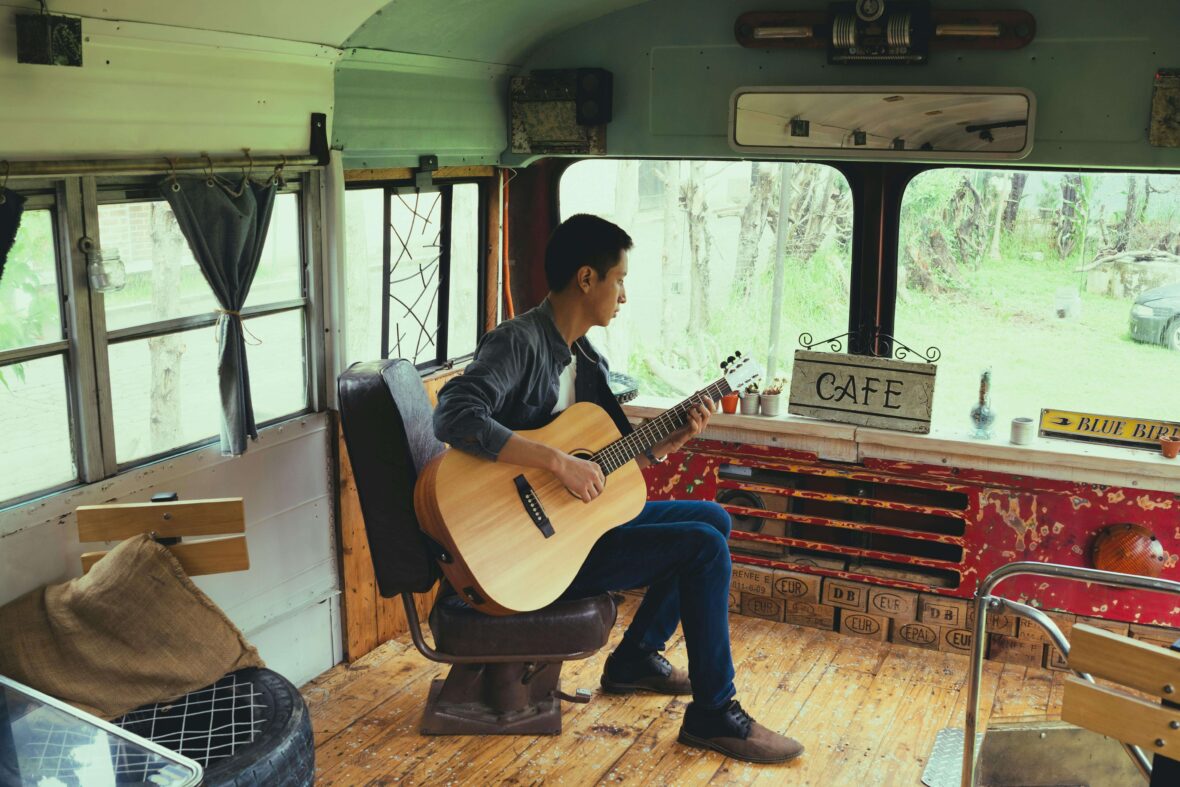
(1008,518)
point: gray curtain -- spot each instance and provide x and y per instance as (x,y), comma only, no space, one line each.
(11,207)
(226,231)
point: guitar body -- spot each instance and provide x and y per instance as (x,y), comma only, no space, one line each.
(490,520)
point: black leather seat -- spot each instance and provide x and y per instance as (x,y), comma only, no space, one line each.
(505,677)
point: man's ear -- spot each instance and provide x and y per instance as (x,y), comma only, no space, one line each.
(585,278)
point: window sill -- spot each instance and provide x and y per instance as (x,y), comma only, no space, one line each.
(1053,459)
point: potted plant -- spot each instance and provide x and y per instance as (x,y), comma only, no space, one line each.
(729,402)
(750,399)
(769,398)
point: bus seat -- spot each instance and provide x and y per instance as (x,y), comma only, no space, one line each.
(505,673)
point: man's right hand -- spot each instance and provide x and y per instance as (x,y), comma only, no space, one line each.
(582,477)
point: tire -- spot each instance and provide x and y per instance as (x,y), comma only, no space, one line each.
(1172,335)
(282,753)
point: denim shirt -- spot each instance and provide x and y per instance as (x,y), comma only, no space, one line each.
(512,384)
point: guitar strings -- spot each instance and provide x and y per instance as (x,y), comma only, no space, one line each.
(613,456)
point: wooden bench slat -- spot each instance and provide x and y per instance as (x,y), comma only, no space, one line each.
(1120,716)
(1139,665)
(214,556)
(181,518)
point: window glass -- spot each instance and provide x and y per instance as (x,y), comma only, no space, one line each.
(163,280)
(30,312)
(275,350)
(280,269)
(463,313)
(701,275)
(164,392)
(415,223)
(364,220)
(35,421)
(1065,284)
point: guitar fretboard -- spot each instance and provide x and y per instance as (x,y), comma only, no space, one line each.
(611,457)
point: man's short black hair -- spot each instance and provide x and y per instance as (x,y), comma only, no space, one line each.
(580,240)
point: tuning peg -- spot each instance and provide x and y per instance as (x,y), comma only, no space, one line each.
(723,364)
(738,353)
(729,359)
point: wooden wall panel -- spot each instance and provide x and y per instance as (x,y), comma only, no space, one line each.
(369,619)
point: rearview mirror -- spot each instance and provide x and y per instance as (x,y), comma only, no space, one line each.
(884,122)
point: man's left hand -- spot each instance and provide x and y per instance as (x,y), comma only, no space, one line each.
(698,419)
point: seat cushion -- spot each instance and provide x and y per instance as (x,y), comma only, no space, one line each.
(573,626)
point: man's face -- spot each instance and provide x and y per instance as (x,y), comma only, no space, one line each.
(608,293)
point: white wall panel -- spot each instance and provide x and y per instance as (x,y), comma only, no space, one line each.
(146,89)
(285,481)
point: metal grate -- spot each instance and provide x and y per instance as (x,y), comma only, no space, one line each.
(413,279)
(205,725)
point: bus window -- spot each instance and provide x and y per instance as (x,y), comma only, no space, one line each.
(164,392)
(1065,284)
(417,264)
(701,278)
(34,412)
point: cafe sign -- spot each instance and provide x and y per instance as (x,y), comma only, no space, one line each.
(863,390)
(1106,429)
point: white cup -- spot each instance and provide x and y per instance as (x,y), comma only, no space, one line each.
(1022,431)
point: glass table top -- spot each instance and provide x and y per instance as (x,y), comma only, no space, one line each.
(46,743)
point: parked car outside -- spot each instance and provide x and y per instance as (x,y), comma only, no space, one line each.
(1155,317)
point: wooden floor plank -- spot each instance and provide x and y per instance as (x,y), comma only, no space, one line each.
(866,711)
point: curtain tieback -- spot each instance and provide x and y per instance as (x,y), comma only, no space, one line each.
(245,331)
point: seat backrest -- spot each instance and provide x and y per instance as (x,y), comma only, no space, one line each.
(169,521)
(386,418)
(1132,663)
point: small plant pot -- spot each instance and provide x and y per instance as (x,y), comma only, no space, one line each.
(770,403)
(729,403)
(1170,447)
(750,404)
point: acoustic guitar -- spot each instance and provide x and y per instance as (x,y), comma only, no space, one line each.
(514,537)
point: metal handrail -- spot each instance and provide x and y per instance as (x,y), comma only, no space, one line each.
(985,600)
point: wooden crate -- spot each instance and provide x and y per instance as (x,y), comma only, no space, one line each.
(735,601)
(796,586)
(1013,650)
(765,607)
(861,624)
(918,635)
(754,580)
(806,613)
(1031,632)
(1156,635)
(943,611)
(901,606)
(846,595)
(956,640)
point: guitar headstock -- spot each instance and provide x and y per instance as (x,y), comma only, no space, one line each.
(740,371)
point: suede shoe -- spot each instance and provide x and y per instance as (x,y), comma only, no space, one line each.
(731,731)
(651,672)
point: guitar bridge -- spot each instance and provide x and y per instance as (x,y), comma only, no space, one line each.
(528,498)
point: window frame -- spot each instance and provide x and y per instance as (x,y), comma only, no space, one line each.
(442,359)
(85,347)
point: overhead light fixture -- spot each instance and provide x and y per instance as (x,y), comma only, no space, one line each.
(885,31)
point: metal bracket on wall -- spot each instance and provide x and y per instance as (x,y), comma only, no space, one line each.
(423,174)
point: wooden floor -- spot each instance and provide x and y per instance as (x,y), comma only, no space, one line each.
(866,711)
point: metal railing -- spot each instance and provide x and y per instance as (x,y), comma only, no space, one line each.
(985,601)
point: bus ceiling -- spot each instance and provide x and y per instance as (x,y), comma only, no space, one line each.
(406,79)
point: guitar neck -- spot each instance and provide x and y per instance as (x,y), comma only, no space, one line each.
(623,450)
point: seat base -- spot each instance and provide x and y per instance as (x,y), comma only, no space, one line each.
(495,699)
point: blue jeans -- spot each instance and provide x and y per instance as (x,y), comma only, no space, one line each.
(678,550)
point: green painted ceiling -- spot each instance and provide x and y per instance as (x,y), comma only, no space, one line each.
(488,31)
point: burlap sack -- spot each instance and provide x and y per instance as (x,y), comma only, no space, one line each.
(133,631)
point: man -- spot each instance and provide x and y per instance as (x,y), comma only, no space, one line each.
(528,370)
